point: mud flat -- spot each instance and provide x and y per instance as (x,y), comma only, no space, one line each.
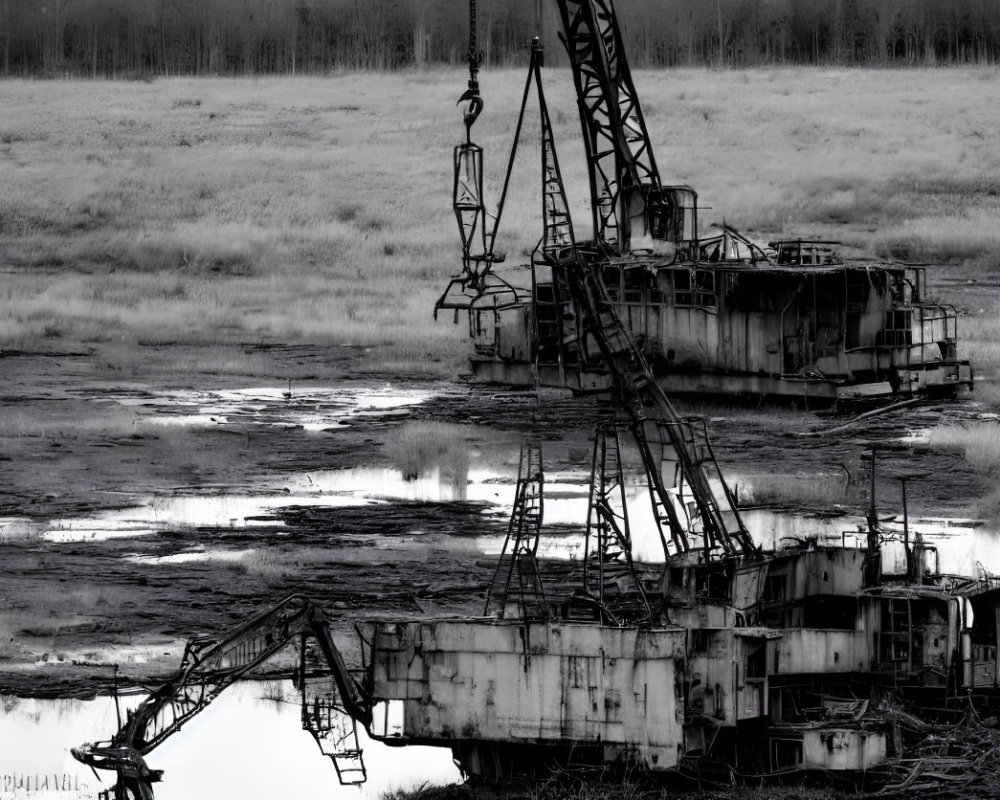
(138,511)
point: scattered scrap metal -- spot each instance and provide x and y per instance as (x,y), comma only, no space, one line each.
(950,762)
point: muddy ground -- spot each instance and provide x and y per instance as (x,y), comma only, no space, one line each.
(78,443)
(72,450)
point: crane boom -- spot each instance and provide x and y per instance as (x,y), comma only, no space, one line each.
(581,326)
(210,666)
(611,114)
(622,169)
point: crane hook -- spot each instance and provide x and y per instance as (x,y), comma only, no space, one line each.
(471,95)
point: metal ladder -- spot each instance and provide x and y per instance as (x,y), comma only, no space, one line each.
(516,579)
(609,574)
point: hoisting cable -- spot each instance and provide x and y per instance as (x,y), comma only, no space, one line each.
(471,95)
(532,78)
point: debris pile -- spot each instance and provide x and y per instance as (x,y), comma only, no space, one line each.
(948,762)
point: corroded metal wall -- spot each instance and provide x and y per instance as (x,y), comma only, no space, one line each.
(810,651)
(535,683)
(854,749)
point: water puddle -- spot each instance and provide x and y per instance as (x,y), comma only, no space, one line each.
(329,407)
(248,744)
(964,546)
(218,509)
(313,408)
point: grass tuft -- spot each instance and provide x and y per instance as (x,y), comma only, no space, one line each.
(421,447)
(272,565)
(815,491)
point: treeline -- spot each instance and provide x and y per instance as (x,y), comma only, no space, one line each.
(122,38)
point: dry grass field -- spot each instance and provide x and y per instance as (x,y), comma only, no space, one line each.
(317,210)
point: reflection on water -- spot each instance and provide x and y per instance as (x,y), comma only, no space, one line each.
(965,547)
(248,744)
(330,488)
(969,549)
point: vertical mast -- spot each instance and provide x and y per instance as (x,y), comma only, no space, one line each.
(621,166)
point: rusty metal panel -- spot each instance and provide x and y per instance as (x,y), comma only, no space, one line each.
(842,748)
(712,675)
(748,583)
(811,650)
(515,335)
(534,683)
(828,571)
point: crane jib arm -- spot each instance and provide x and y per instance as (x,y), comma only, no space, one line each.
(622,169)
(208,667)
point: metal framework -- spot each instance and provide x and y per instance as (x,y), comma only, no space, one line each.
(609,574)
(600,67)
(622,169)
(516,583)
(209,666)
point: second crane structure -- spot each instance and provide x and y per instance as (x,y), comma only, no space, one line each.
(712,314)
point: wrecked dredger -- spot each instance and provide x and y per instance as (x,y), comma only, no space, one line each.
(713,314)
(816,658)
(802,321)
(725,661)
(730,661)
(712,691)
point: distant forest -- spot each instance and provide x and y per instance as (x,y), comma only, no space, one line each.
(145,38)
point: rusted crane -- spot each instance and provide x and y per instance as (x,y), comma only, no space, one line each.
(581,323)
(801,319)
(332,701)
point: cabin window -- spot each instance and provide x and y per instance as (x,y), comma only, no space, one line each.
(705,283)
(786,753)
(659,219)
(829,612)
(633,285)
(671,215)
(682,288)
(857,290)
(901,289)
(697,292)
(677,577)
(852,325)
(788,253)
(774,588)
(756,663)
(655,292)
(898,329)
(713,583)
